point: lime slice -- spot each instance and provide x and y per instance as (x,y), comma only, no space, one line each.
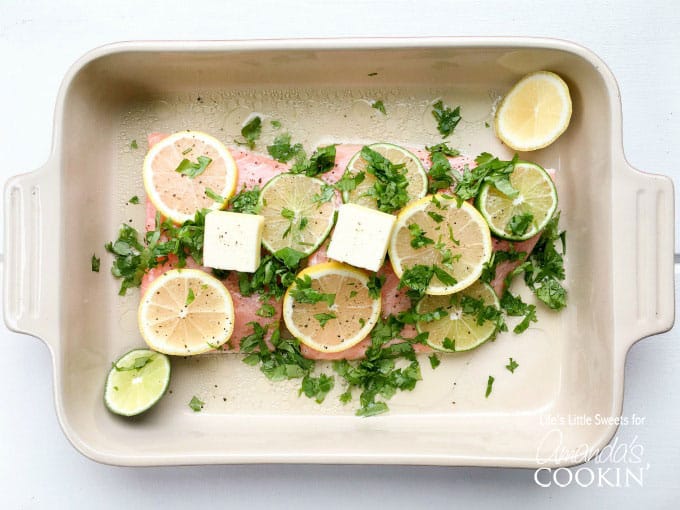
(136,382)
(205,164)
(335,311)
(457,331)
(293,218)
(535,112)
(415,174)
(525,215)
(185,312)
(455,239)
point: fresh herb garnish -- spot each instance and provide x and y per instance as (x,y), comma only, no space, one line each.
(390,187)
(214,196)
(276,124)
(281,363)
(195,404)
(374,285)
(319,163)
(317,387)
(418,239)
(190,297)
(349,181)
(323,318)
(133,144)
(193,170)
(441,173)
(326,195)
(489,386)
(447,118)
(273,276)
(444,149)
(512,365)
(434,360)
(443,276)
(416,279)
(483,312)
(96,263)
(266,310)
(246,201)
(304,293)
(515,307)
(380,106)
(435,216)
(134,200)
(250,132)
(519,223)
(489,169)
(282,150)
(287,213)
(377,375)
(138,363)
(497,257)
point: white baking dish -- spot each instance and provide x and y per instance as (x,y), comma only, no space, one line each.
(619,261)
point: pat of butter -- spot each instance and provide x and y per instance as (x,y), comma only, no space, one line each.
(361,236)
(232,241)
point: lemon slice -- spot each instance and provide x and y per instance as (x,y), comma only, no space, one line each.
(185,312)
(459,329)
(455,239)
(206,164)
(136,382)
(534,113)
(292,216)
(523,216)
(330,308)
(415,174)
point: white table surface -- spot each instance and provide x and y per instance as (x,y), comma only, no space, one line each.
(39,39)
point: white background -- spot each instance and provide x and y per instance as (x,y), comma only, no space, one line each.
(39,39)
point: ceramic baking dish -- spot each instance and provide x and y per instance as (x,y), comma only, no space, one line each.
(619,258)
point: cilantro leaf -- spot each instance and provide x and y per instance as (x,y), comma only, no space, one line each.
(390,187)
(489,386)
(214,196)
(193,170)
(444,149)
(246,201)
(303,292)
(434,361)
(512,365)
(323,318)
(515,307)
(374,285)
(489,169)
(417,278)
(320,162)
(326,195)
(251,132)
(317,387)
(380,106)
(443,276)
(266,310)
(519,223)
(190,297)
(96,262)
(483,312)
(349,181)
(134,200)
(133,144)
(195,404)
(282,150)
(418,239)
(447,118)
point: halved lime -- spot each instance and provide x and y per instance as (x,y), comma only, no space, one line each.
(136,382)
(458,330)
(415,174)
(294,215)
(521,217)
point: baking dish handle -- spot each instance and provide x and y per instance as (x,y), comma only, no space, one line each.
(30,300)
(644,260)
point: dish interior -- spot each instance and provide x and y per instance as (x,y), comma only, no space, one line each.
(565,360)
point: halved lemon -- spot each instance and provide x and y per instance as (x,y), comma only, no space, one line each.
(293,218)
(455,239)
(525,215)
(330,308)
(415,174)
(459,329)
(204,164)
(136,381)
(535,112)
(186,312)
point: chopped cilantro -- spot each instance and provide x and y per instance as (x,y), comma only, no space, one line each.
(489,169)
(96,263)
(317,387)
(417,279)
(193,170)
(380,106)
(483,312)
(519,223)
(134,200)
(374,285)
(276,124)
(246,201)
(251,132)
(303,292)
(133,144)
(266,310)
(390,187)
(497,257)
(320,162)
(512,365)
(214,196)
(287,213)
(434,360)
(190,297)
(137,364)
(323,318)
(282,150)
(444,149)
(489,386)
(195,404)
(418,239)
(326,195)
(515,307)
(304,221)
(435,216)
(274,274)
(447,118)
(440,173)
(349,181)
(281,363)
(353,293)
